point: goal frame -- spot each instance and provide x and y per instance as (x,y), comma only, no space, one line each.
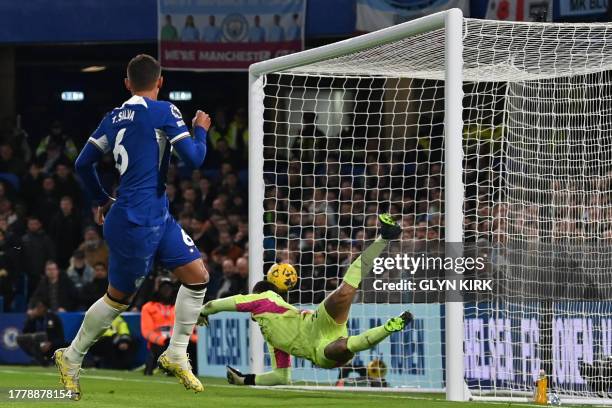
(452,22)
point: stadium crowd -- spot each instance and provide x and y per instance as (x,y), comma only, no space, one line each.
(52,251)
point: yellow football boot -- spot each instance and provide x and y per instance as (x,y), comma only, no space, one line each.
(182,371)
(69,374)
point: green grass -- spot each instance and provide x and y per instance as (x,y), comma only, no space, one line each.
(117,389)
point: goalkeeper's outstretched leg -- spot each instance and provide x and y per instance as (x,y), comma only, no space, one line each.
(342,350)
(338,303)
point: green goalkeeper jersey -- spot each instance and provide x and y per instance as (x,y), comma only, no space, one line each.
(286,329)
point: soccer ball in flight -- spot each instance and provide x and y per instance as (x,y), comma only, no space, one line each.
(283,276)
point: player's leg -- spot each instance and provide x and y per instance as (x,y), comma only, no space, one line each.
(178,252)
(131,250)
(338,303)
(343,350)
(194,278)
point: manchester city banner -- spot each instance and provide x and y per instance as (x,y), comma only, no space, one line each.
(228,35)
(373,15)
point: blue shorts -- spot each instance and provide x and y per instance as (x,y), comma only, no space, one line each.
(133,248)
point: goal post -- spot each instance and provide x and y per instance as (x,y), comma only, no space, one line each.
(485,138)
(451,21)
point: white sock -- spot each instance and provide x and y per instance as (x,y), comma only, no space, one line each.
(97,320)
(186,312)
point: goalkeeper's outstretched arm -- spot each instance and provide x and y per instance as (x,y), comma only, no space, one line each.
(236,303)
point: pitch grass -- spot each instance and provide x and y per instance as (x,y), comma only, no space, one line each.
(114,389)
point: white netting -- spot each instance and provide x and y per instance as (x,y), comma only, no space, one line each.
(349,137)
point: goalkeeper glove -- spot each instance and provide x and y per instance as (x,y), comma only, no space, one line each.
(235,377)
(202,320)
(389,228)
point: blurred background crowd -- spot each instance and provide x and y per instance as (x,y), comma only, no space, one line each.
(52,251)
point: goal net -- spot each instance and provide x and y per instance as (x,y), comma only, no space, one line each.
(342,133)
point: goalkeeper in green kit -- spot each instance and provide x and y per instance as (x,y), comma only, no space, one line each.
(320,336)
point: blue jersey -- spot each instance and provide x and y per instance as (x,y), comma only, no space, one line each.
(138,228)
(140,135)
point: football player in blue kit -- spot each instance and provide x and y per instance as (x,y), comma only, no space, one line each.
(138,228)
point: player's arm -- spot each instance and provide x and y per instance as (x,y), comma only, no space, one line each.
(192,150)
(85,167)
(236,303)
(280,374)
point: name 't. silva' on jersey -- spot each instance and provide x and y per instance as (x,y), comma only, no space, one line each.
(126,114)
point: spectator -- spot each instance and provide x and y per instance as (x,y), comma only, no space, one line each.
(37,249)
(65,230)
(13,135)
(219,129)
(31,186)
(56,290)
(9,163)
(57,145)
(66,184)
(114,349)
(190,32)
(157,321)
(199,226)
(94,247)
(8,272)
(242,268)
(215,278)
(47,204)
(238,134)
(14,225)
(231,284)
(42,333)
(241,237)
(79,272)
(168,31)
(226,249)
(95,289)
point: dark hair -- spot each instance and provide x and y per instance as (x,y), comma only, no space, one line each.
(143,71)
(264,286)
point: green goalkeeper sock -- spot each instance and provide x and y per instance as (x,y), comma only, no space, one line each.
(367,339)
(364,263)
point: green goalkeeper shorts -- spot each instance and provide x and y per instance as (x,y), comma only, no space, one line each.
(325,330)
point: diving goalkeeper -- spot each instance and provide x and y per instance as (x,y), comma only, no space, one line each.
(320,336)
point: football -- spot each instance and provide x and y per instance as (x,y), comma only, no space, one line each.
(283,276)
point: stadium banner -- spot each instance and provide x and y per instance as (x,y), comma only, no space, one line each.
(520,10)
(411,355)
(505,349)
(374,15)
(10,327)
(228,35)
(581,10)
